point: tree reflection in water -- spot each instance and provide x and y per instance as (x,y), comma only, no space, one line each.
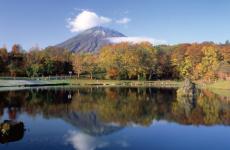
(101,111)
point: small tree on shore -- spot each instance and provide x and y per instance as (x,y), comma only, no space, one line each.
(77,62)
(90,64)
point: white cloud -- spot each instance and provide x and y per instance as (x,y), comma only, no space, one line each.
(136,40)
(85,20)
(123,21)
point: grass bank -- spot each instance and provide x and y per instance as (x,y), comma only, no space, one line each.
(219,84)
(220,87)
(85,82)
(164,83)
(28,83)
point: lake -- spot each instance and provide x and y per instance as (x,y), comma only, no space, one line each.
(90,118)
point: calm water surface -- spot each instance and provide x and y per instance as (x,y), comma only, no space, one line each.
(65,118)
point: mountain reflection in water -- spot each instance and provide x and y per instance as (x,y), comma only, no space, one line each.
(97,112)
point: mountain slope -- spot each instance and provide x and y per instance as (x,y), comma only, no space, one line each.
(90,40)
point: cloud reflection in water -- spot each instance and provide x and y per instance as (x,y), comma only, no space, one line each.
(82,141)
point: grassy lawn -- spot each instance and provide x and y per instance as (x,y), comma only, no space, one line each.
(165,83)
(88,82)
(221,88)
(221,85)
(11,83)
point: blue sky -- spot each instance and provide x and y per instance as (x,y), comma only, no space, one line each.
(44,22)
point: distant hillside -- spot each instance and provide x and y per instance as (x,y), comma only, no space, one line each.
(90,40)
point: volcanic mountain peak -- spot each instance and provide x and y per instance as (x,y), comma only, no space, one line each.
(90,40)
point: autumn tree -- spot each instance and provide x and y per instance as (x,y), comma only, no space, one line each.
(58,59)
(225,52)
(177,58)
(3,60)
(140,60)
(35,62)
(148,59)
(17,61)
(163,68)
(128,60)
(77,62)
(210,62)
(90,64)
(196,61)
(111,59)
(50,61)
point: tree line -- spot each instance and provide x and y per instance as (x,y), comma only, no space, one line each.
(143,61)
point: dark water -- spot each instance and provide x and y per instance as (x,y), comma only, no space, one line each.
(113,118)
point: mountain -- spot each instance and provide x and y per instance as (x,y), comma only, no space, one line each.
(90,123)
(90,40)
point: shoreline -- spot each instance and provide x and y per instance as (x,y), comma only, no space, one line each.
(83,83)
(220,85)
(29,83)
(217,85)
